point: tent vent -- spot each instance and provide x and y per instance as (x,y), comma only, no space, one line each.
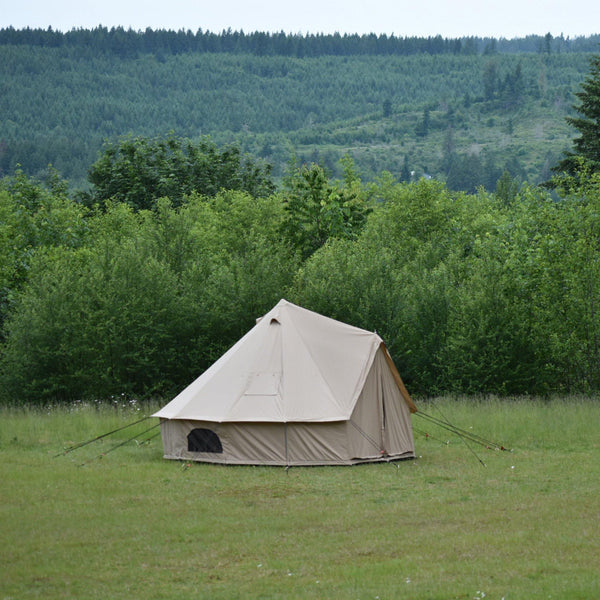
(274,321)
(204,440)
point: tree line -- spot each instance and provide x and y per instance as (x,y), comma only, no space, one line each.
(137,284)
(129,43)
(133,288)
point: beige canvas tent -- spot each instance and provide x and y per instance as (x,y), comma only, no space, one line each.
(298,389)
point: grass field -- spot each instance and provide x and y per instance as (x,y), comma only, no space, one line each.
(132,525)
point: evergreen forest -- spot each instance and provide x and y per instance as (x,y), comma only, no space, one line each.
(159,191)
(461,111)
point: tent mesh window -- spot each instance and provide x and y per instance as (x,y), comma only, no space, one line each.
(204,440)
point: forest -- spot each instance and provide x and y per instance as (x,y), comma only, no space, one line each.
(133,282)
(461,111)
(126,292)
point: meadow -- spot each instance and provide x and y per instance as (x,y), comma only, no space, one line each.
(443,526)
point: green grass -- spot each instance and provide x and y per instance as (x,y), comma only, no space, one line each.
(132,525)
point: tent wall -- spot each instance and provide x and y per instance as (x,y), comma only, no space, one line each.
(261,443)
(293,444)
(380,425)
(398,435)
(243,443)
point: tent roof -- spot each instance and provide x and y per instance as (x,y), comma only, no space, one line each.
(294,365)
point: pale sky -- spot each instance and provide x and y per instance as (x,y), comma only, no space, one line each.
(449,18)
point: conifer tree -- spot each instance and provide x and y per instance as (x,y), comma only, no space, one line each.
(585,156)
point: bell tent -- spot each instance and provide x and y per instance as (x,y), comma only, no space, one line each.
(298,389)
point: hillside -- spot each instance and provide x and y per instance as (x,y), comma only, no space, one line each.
(463,114)
(526,141)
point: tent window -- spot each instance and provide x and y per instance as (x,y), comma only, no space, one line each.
(204,440)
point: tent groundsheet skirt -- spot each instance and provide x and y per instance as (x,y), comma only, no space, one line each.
(279,444)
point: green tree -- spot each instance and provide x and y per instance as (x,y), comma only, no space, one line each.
(152,299)
(422,128)
(92,323)
(140,170)
(488,346)
(585,155)
(464,172)
(387,108)
(513,87)
(490,79)
(507,188)
(405,174)
(569,286)
(33,216)
(393,278)
(318,209)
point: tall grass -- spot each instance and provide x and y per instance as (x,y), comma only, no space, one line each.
(132,525)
